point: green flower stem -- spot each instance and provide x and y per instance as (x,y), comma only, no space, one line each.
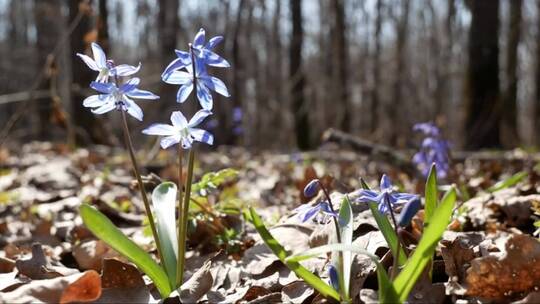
(180,225)
(344,289)
(184,219)
(129,146)
(398,248)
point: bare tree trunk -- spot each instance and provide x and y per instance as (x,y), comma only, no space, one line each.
(103,25)
(375,97)
(483,113)
(445,85)
(168,26)
(401,57)
(238,71)
(48,16)
(86,127)
(509,133)
(339,43)
(296,75)
(537,80)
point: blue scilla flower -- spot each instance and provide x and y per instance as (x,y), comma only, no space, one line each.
(182,131)
(106,68)
(204,84)
(112,98)
(387,195)
(434,150)
(334,277)
(308,211)
(202,51)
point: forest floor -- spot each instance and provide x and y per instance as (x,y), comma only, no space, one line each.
(490,252)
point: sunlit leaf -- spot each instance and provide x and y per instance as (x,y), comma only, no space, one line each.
(431,194)
(105,230)
(163,201)
(509,182)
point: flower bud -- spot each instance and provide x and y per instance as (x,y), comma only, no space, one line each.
(334,279)
(408,212)
(311,188)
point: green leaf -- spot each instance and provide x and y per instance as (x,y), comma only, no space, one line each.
(431,194)
(386,229)
(405,281)
(387,294)
(163,201)
(509,182)
(213,180)
(311,279)
(105,230)
(346,227)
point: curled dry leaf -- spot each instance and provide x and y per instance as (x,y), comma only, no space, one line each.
(502,277)
(37,267)
(296,292)
(198,285)
(80,287)
(89,254)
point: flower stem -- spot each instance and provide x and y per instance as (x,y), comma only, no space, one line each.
(398,247)
(129,146)
(179,271)
(344,290)
(184,220)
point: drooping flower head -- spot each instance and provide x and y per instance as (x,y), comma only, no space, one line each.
(387,196)
(181,131)
(333,276)
(119,98)
(434,150)
(181,72)
(106,68)
(308,211)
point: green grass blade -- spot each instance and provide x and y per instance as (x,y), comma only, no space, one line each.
(311,279)
(509,182)
(105,230)
(386,229)
(405,281)
(163,201)
(431,194)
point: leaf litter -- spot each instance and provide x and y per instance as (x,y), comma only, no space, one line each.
(47,255)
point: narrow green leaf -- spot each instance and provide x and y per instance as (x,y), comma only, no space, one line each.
(346,227)
(311,279)
(442,215)
(105,230)
(163,201)
(509,182)
(431,194)
(386,229)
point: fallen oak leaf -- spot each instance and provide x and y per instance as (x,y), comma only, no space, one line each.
(502,278)
(198,285)
(79,287)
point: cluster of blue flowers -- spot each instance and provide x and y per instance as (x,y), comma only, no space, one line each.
(434,150)
(188,70)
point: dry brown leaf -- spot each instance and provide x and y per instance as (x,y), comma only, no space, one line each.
(253,293)
(90,254)
(296,292)
(198,285)
(80,287)
(36,267)
(502,277)
(123,283)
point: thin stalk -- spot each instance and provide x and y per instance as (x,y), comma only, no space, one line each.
(180,225)
(129,146)
(342,291)
(398,239)
(184,220)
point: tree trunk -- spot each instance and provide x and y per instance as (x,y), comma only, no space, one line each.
(509,133)
(537,81)
(168,26)
(296,79)
(103,25)
(238,72)
(340,58)
(86,127)
(48,18)
(401,57)
(483,112)
(375,97)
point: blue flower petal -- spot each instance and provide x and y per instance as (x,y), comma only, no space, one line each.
(141,94)
(204,96)
(160,129)
(201,135)
(99,56)
(386,184)
(106,88)
(126,69)
(178,77)
(96,100)
(89,62)
(213,42)
(130,85)
(169,141)
(133,109)
(199,39)
(199,117)
(183,92)
(176,64)
(178,120)
(216,85)
(104,108)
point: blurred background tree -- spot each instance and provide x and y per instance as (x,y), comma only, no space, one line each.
(371,68)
